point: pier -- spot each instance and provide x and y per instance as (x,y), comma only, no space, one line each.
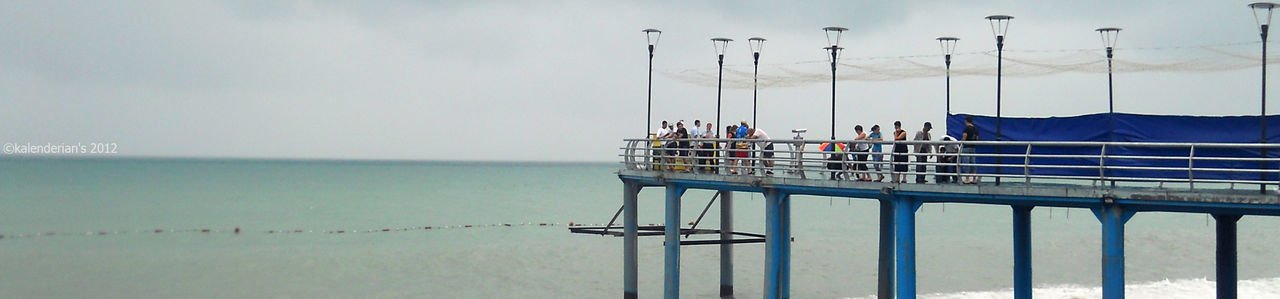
(1115,180)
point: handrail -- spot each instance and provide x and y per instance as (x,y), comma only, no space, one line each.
(1059,161)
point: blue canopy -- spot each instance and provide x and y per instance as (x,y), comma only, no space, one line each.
(1123,127)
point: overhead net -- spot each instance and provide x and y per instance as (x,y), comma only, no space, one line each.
(1016,63)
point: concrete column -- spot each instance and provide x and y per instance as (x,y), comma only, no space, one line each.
(777,273)
(1226,256)
(726,248)
(630,280)
(904,224)
(1113,218)
(671,279)
(885,274)
(1022,252)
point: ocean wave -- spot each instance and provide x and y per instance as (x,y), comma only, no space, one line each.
(1164,289)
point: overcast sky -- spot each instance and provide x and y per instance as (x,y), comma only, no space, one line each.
(545,80)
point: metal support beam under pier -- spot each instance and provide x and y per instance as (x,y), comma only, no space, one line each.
(671,277)
(1113,218)
(1226,256)
(904,224)
(885,273)
(777,269)
(1022,252)
(726,248)
(630,280)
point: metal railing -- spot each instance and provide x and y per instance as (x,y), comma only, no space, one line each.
(1191,164)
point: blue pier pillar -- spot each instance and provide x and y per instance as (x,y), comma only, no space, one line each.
(671,279)
(777,271)
(1113,218)
(1226,256)
(630,280)
(1022,252)
(726,248)
(885,273)
(904,223)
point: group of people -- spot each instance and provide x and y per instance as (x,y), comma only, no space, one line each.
(945,155)
(678,147)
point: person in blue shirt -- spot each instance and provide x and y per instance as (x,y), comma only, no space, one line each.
(875,151)
(742,129)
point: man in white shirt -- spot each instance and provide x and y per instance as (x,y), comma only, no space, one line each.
(660,150)
(757,133)
(663,131)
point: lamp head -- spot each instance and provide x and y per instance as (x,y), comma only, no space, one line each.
(948,44)
(1109,35)
(652,36)
(833,35)
(721,44)
(1262,14)
(999,25)
(757,44)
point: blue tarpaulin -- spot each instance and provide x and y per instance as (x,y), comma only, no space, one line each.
(1123,127)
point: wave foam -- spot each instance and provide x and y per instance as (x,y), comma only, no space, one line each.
(1165,289)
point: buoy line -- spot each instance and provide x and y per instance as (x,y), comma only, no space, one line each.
(238,230)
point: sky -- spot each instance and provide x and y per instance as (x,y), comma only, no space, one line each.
(556,80)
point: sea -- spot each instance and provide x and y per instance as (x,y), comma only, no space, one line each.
(212,228)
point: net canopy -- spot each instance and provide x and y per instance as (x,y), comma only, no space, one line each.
(1017,63)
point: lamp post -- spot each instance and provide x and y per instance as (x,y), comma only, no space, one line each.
(720,43)
(948,45)
(757,44)
(1109,36)
(833,38)
(999,26)
(1262,14)
(652,36)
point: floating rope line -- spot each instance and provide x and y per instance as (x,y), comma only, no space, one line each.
(238,230)
(1017,63)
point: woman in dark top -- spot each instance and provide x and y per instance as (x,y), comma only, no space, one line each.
(899,153)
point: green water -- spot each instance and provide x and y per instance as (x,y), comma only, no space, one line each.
(103,215)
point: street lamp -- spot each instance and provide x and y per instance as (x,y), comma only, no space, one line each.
(1262,14)
(1109,36)
(757,44)
(720,43)
(833,38)
(652,36)
(948,45)
(999,26)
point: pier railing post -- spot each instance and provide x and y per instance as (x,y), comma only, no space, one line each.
(904,210)
(630,284)
(726,248)
(1022,252)
(885,273)
(1113,217)
(1226,254)
(777,273)
(671,278)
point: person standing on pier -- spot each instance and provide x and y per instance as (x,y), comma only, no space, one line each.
(876,156)
(696,147)
(922,152)
(767,153)
(682,144)
(967,151)
(899,153)
(860,150)
(743,127)
(660,144)
(708,148)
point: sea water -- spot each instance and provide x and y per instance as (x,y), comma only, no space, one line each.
(128,228)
